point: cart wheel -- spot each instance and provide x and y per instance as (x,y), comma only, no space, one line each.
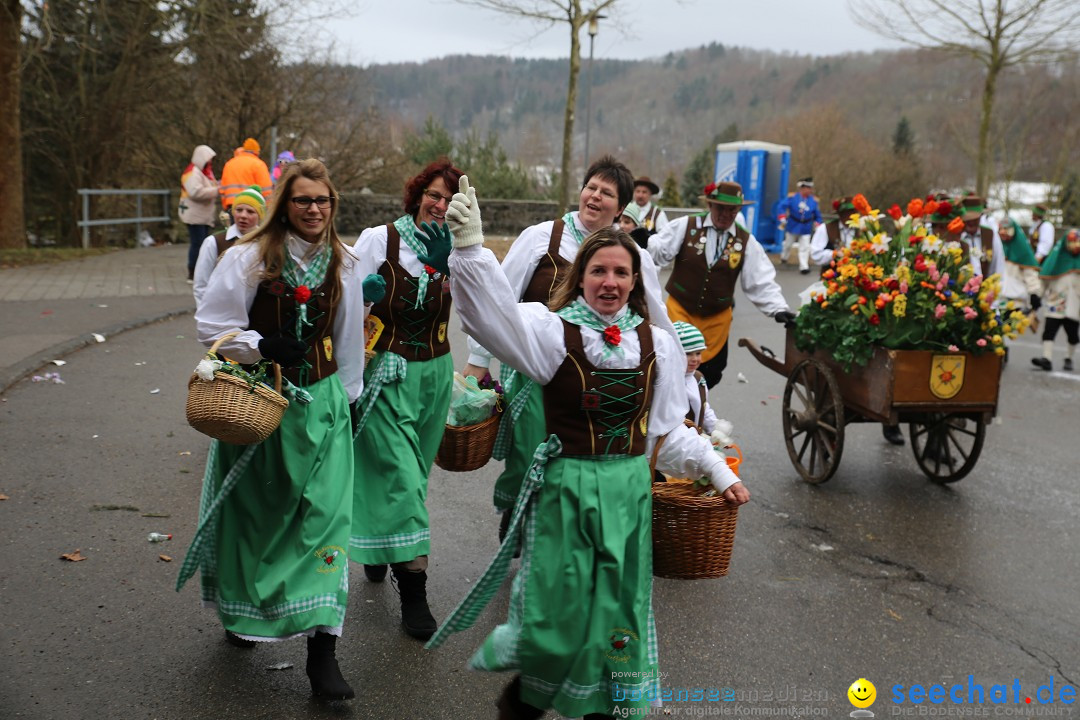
(947,445)
(813,421)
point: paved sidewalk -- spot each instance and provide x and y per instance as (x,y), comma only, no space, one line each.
(48,311)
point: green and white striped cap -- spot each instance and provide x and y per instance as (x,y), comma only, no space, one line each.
(691,338)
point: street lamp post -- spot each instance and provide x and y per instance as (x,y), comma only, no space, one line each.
(594,27)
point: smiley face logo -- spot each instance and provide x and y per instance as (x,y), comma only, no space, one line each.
(862,693)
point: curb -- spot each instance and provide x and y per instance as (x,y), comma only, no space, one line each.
(16,372)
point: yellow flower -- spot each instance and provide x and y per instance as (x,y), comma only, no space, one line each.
(899,307)
(996,339)
(849,271)
(993,323)
(999,351)
(1010,305)
(1006,328)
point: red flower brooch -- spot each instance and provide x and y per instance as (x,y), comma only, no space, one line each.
(302,293)
(613,335)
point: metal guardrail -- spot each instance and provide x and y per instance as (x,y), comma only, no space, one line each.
(86,223)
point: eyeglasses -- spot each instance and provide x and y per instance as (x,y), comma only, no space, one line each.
(436,197)
(304,203)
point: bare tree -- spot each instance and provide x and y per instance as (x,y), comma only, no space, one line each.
(550,12)
(999,34)
(11,183)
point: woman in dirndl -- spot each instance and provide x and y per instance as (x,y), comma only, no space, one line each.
(402,413)
(580,632)
(275,518)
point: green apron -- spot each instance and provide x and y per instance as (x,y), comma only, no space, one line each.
(272,549)
(529,430)
(580,628)
(394,453)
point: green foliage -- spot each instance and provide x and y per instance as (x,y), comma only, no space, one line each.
(430,144)
(670,195)
(903,140)
(485,161)
(699,172)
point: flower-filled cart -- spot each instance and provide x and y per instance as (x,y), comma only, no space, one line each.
(901,329)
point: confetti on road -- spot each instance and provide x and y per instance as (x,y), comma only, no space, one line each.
(741,378)
(155,391)
(823,547)
(99,337)
(59,363)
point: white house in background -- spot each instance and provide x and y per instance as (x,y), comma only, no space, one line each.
(1019,197)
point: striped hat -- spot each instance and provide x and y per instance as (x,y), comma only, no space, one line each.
(252,196)
(631,211)
(691,338)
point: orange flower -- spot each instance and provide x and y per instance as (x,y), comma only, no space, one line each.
(930,208)
(915,208)
(956,226)
(861,204)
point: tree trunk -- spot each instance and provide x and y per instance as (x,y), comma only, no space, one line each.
(983,161)
(12,221)
(571,102)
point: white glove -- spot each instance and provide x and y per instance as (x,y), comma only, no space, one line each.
(463,216)
(721,434)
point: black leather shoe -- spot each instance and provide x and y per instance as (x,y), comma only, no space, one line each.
(1042,363)
(375,573)
(237,641)
(416,617)
(1067,365)
(892,434)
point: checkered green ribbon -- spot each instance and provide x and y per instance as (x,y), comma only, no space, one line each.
(391,368)
(466,613)
(406,228)
(505,437)
(579,313)
(313,277)
(298,394)
(201,551)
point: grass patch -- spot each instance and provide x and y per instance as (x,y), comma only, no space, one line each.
(21,257)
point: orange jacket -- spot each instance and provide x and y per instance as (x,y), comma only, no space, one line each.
(243,170)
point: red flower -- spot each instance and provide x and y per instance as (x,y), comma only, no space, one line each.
(709,190)
(302,293)
(944,208)
(836,205)
(895,212)
(920,263)
(612,335)
(875,320)
(430,270)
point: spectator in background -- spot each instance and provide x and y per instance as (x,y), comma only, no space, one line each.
(248,211)
(284,158)
(801,215)
(198,192)
(1042,233)
(650,216)
(242,171)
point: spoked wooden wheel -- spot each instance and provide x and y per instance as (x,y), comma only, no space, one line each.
(813,421)
(947,445)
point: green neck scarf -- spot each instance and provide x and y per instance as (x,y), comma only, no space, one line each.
(579,313)
(406,228)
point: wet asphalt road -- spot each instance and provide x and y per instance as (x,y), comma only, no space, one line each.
(877,573)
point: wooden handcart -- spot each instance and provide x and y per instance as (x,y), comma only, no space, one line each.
(946,399)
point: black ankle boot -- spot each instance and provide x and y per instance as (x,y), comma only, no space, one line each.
(415,616)
(323,671)
(375,573)
(512,708)
(893,434)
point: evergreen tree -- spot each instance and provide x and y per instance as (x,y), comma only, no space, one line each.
(486,163)
(903,142)
(702,167)
(1070,200)
(669,195)
(430,144)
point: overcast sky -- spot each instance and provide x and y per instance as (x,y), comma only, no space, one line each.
(389,31)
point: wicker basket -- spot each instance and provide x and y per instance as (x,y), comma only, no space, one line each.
(228,409)
(469,447)
(692,534)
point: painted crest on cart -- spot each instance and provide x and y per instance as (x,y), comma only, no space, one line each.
(947,375)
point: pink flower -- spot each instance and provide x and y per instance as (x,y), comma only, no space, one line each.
(981,342)
(903,287)
(969,313)
(939,312)
(953,348)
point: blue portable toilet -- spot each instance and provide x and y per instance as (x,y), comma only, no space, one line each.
(763,170)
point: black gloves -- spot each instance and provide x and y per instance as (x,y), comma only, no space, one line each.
(285,351)
(786,317)
(1036,302)
(641,237)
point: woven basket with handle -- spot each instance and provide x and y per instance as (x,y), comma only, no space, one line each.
(231,410)
(693,531)
(469,447)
